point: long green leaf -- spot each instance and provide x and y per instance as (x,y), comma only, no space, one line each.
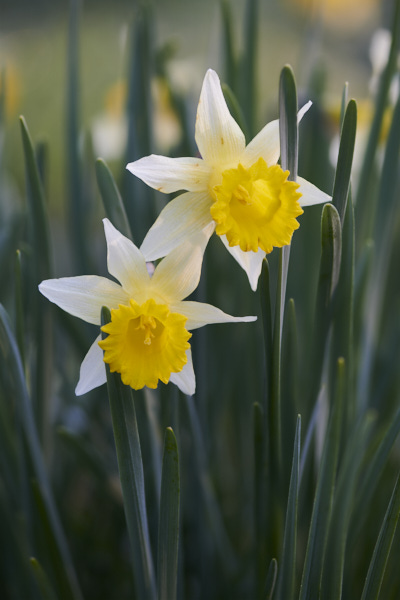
(271,580)
(19,311)
(382,548)
(138,197)
(78,213)
(40,310)
(248,64)
(229,49)
(287,571)
(38,210)
(168,532)
(127,443)
(331,245)
(312,572)
(345,160)
(259,493)
(111,197)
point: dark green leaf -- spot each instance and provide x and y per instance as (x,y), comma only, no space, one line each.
(345,160)
(46,589)
(271,580)
(112,200)
(316,546)
(249,64)
(168,532)
(382,548)
(287,571)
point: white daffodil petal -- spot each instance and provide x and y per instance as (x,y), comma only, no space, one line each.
(84,296)
(310,193)
(185,379)
(178,274)
(264,145)
(219,138)
(183,217)
(172,174)
(303,110)
(125,262)
(200,314)
(251,262)
(93,370)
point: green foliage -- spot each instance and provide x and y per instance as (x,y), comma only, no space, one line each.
(277,480)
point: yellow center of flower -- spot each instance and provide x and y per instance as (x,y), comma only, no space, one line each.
(256,207)
(145,343)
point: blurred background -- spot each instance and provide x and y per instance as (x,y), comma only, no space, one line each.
(331,37)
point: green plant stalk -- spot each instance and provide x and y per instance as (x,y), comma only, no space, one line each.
(270,580)
(127,443)
(382,548)
(287,570)
(259,495)
(46,589)
(222,542)
(348,479)
(322,509)
(168,532)
(19,310)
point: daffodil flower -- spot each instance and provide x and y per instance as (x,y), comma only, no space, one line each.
(150,322)
(238,189)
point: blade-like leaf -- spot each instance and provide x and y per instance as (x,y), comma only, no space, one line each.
(331,243)
(168,532)
(345,160)
(248,64)
(112,200)
(38,210)
(229,50)
(42,269)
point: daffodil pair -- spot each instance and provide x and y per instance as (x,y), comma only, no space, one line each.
(237,190)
